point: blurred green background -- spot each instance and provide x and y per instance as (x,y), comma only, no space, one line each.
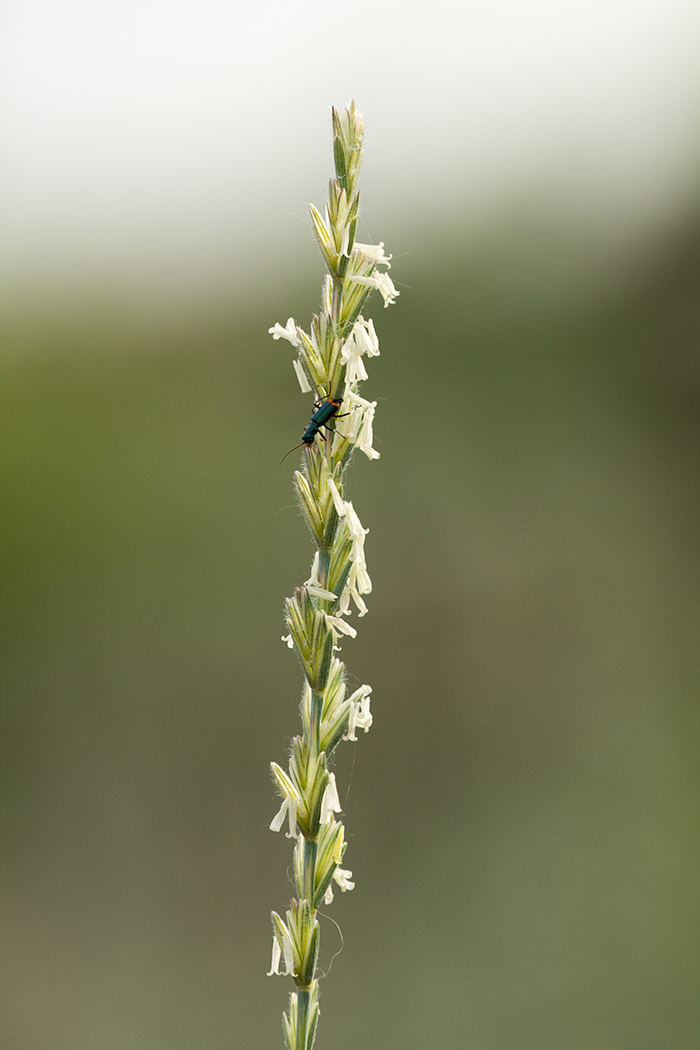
(522,816)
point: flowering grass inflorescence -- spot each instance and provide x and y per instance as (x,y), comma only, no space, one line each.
(330,362)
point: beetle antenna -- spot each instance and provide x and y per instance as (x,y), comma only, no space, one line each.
(290,451)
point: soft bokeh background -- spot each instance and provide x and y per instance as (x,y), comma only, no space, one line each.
(522,817)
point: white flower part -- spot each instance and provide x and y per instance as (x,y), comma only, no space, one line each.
(362,340)
(355,587)
(288,639)
(289,802)
(288,332)
(374,253)
(366,337)
(342,877)
(288,953)
(328,896)
(357,426)
(349,423)
(351,356)
(382,282)
(330,803)
(366,435)
(301,376)
(313,578)
(361,578)
(344,607)
(344,241)
(285,948)
(321,592)
(287,809)
(276,956)
(357,533)
(340,626)
(358,582)
(385,285)
(313,586)
(360,716)
(337,500)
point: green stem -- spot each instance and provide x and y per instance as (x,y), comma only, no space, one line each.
(309,870)
(302,1017)
(324,561)
(336,302)
(314,737)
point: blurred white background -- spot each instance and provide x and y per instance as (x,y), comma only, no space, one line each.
(179,138)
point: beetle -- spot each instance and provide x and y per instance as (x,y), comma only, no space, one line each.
(325,410)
